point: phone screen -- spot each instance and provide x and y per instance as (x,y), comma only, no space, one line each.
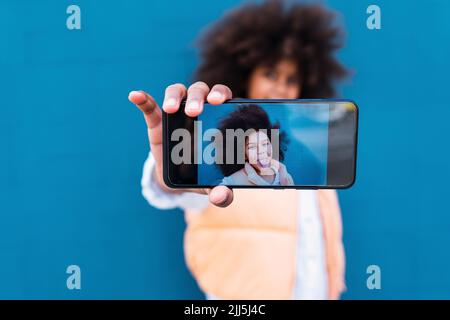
(263,144)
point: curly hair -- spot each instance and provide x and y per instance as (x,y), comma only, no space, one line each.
(261,35)
(248,116)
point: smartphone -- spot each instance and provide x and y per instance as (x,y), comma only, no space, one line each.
(279,144)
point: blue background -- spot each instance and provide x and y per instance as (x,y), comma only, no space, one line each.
(72,147)
(305,159)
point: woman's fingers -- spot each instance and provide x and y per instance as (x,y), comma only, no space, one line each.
(219,94)
(148,106)
(197,93)
(196,97)
(173,96)
(152,114)
(221,196)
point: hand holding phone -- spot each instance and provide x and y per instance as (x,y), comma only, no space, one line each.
(195,97)
(266,143)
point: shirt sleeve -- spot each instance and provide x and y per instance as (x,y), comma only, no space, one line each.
(161,199)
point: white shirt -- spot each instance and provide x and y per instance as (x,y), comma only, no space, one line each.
(311,275)
(253,177)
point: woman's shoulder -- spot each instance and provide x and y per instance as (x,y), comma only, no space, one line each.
(238,177)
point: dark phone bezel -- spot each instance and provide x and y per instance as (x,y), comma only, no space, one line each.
(166,163)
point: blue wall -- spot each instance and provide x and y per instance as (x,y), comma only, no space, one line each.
(72,147)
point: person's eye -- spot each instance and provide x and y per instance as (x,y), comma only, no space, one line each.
(292,81)
(270,74)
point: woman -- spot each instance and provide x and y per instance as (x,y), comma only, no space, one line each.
(256,243)
(259,166)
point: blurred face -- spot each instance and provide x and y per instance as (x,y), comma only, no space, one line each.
(258,150)
(280,81)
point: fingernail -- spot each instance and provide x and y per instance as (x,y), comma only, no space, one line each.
(193,105)
(170,102)
(135,95)
(220,198)
(215,95)
(223,199)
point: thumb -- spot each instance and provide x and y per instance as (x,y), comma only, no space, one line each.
(221,196)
